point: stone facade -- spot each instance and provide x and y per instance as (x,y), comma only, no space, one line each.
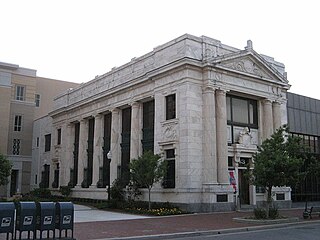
(225,102)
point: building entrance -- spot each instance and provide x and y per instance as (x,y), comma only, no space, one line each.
(243,187)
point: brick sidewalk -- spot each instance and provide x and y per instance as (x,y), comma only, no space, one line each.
(167,225)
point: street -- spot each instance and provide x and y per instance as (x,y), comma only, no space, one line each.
(301,232)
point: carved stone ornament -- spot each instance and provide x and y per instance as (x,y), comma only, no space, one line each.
(170,132)
(248,66)
(245,137)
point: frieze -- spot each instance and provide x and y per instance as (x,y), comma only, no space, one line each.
(169,131)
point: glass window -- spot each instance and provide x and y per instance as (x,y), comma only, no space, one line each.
(47,146)
(16,147)
(17,123)
(37,141)
(20,93)
(59,136)
(242,111)
(170,107)
(169,179)
(37,100)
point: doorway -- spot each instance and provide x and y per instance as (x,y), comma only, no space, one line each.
(14,182)
(243,188)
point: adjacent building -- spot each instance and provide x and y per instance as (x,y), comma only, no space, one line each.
(24,97)
(203,105)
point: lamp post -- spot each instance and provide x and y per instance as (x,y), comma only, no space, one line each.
(109,156)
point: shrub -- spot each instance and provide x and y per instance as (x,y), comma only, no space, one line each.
(116,190)
(273,213)
(41,193)
(260,213)
(65,190)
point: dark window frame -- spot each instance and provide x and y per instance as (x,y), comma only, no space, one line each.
(17,123)
(169,181)
(59,136)
(47,145)
(171,106)
(20,93)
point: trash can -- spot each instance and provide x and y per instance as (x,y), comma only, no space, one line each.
(46,218)
(64,217)
(26,219)
(7,213)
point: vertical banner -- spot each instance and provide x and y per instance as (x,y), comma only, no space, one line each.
(232,180)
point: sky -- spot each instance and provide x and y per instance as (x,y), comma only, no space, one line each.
(75,40)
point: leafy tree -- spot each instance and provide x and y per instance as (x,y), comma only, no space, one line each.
(147,170)
(5,169)
(278,162)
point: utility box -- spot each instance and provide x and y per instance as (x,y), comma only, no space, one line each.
(7,213)
(46,217)
(26,218)
(64,217)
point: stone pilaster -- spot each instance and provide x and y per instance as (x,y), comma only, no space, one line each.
(276,108)
(209,137)
(135,141)
(66,161)
(83,144)
(97,148)
(115,144)
(267,119)
(222,144)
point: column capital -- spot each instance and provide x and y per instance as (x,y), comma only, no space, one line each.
(208,89)
(267,101)
(221,91)
(134,104)
(115,110)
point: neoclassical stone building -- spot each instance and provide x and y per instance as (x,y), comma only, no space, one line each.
(203,105)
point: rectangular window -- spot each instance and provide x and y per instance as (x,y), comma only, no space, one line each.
(37,100)
(16,147)
(59,136)
(17,123)
(242,111)
(37,141)
(47,146)
(20,93)
(170,179)
(170,107)
(222,197)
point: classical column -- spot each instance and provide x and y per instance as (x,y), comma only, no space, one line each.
(83,144)
(209,136)
(276,108)
(135,139)
(222,141)
(66,158)
(267,119)
(97,148)
(115,144)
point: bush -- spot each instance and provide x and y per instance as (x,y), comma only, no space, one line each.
(273,213)
(260,213)
(65,190)
(41,193)
(116,190)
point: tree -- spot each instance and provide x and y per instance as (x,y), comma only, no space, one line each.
(147,170)
(278,162)
(5,169)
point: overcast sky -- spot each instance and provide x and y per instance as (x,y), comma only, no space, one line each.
(75,40)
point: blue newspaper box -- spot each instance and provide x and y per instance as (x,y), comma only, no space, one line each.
(46,218)
(7,213)
(26,218)
(64,217)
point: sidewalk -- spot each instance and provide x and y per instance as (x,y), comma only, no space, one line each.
(181,224)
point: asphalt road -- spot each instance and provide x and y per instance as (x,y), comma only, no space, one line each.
(297,232)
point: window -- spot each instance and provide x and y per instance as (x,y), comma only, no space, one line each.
(17,123)
(37,141)
(170,107)
(242,112)
(59,136)
(16,147)
(169,179)
(20,93)
(47,146)
(37,100)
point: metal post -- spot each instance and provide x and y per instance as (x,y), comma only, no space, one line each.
(109,156)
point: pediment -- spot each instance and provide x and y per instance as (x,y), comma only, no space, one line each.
(249,63)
